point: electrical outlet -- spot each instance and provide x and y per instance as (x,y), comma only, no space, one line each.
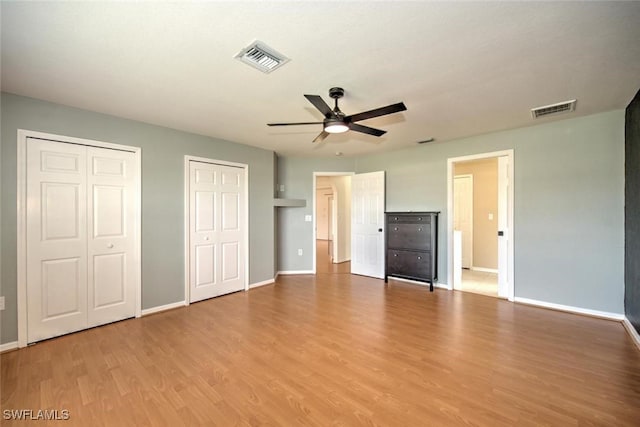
(282,188)
(307,218)
(299,252)
(1,303)
(490,217)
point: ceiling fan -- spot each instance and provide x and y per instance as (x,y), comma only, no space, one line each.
(335,121)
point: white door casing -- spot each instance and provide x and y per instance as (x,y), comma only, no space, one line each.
(65,282)
(508,265)
(338,239)
(217,212)
(463,215)
(367,224)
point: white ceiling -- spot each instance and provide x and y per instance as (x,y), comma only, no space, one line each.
(461,68)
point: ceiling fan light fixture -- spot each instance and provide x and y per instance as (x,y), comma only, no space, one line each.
(335,126)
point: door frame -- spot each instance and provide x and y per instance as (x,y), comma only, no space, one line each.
(21,178)
(470,176)
(510,208)
(313,225)
(187,242)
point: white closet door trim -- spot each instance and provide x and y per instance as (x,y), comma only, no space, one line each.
(187,252)
(22,217)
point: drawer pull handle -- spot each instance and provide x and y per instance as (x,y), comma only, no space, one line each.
(395,254)
(419,228)
(395,228)
(395,219)
(419,257)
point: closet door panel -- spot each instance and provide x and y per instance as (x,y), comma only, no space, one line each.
(56,239)
(111,250)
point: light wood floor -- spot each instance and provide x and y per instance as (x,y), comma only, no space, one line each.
(335,349)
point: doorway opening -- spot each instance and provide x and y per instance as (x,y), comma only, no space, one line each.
(480,224)
(332,222)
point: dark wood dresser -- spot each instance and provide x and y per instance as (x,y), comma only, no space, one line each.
(411,242)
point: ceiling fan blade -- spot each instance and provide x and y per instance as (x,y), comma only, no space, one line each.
(319,103)
(294,124)
(366,129)
(382,111)
(321,137)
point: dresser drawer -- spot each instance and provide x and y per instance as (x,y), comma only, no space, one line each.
(409,263)
(408,218)
(409,236)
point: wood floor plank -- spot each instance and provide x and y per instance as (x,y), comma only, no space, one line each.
(335,349)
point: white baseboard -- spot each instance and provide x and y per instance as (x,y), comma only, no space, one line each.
(571,309)
(264,282)
(415,282)
(485,270)
(165,307)
(632,331)
(292,272)
(8,346)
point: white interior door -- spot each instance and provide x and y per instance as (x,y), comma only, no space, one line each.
(80,237)
(111,237)
(367,224)
(463,215)
(216,226)
(322,215)
(56,239)
(503,229)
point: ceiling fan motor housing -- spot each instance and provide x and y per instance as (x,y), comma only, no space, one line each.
(336,92)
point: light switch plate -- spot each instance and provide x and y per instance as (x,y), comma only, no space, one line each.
(307,218)
(1,303)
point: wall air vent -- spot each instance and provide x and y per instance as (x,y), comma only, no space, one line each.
(262,57)
(547,110)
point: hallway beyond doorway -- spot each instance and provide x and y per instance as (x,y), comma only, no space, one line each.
(323,261)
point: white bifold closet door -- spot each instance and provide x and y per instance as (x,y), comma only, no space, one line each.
(80,237)
(216,230)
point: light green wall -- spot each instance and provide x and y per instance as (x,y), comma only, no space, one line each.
(163,153)
(296,173)
(569,204)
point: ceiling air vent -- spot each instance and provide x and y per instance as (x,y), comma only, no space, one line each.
(262,57)
(560,107)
